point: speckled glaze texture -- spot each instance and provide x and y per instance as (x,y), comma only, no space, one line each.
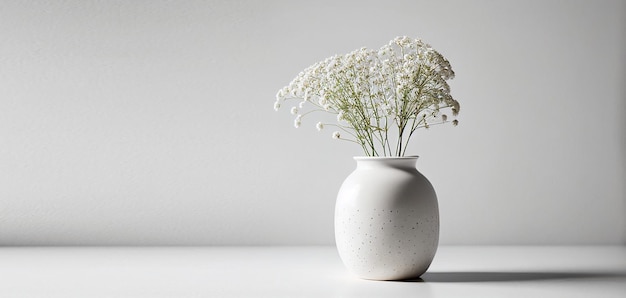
(387,219)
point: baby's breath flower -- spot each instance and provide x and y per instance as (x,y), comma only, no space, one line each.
(340,116)
(322,101)
(297,121)
(279,95)
(319,126)
(375,93)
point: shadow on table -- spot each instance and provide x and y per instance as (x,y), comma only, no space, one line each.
(508,276)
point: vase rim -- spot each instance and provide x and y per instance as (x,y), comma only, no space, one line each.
(386,157)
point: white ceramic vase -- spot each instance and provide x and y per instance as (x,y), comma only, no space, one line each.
(387,219)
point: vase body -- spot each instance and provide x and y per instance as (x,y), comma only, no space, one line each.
(386,219)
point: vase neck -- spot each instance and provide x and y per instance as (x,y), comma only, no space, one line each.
(364,162)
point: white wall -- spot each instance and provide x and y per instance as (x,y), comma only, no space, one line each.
(151,122)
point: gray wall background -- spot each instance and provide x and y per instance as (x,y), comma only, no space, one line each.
(151,122)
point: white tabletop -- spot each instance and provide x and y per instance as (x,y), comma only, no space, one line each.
(457,271)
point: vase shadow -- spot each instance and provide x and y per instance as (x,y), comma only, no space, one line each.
(451,277)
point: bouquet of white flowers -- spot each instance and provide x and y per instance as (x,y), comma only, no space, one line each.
(379,97)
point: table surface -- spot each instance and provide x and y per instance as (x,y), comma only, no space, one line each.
(457,271)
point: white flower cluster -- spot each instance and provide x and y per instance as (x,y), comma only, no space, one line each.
(397,89)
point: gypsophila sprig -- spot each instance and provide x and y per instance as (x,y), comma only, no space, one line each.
(380,98)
